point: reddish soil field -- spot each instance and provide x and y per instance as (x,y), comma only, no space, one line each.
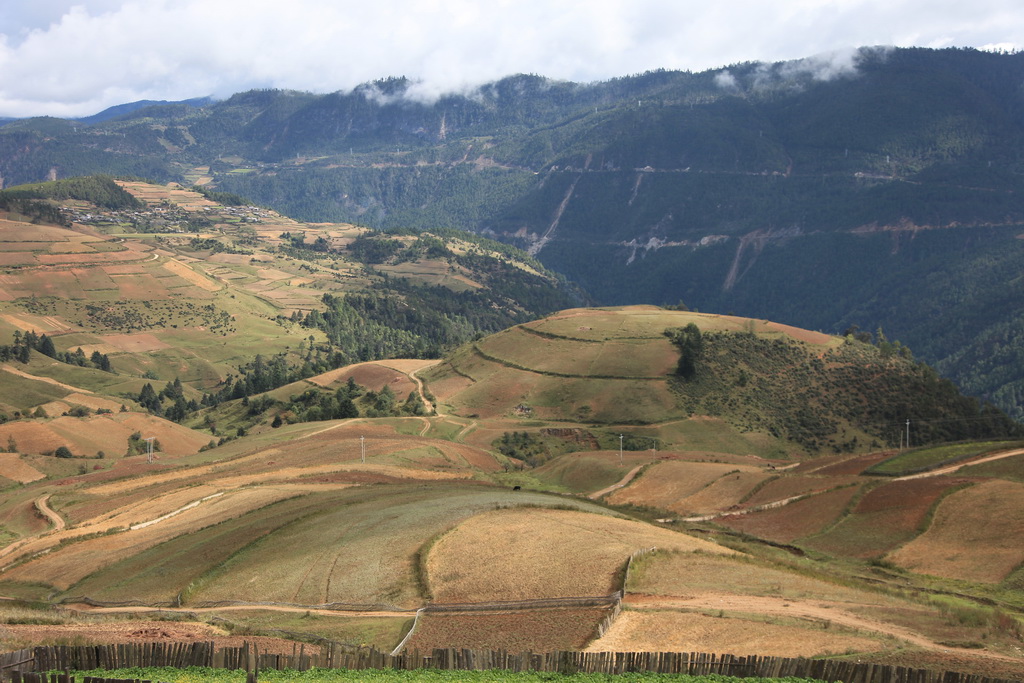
(16,636)
(371,375)
(789,486)
(884,518)
(536,630)
(975,535)
(16,469)
(796,520)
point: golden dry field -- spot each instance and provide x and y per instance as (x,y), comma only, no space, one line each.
(975,535)
(668,484)
(506,555)
(677,631)
(737,537)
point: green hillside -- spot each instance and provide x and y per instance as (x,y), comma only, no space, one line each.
(779,389)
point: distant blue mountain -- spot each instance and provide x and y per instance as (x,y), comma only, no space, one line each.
(123,110)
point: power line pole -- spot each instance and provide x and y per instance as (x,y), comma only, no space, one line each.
(149,449)
(620,450)
(362,449)
(908,434)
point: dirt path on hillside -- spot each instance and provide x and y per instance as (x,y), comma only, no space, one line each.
(953,468)
(428,404)
(460,437)
(48,380)
(618,485)
(43,505)
(81,607)
(823,611)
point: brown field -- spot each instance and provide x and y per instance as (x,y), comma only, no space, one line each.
(796,485)
(688,574)
(14,259)
(617,358)
(27,246)
(143,342)
(496,390)
(94,632)
(32,436)
(108,433)
(144,287)
(184,272)
(64,567)
(884,518)
(666,484)
(975,535)
(125,269)
(18,231)
(16,469)
(534,631)
(675,631)
(93,279)
(506,554)
(720,494)
(22,516)
(28,322)
(796,520)
(373,375)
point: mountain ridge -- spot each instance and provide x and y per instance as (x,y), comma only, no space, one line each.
(761,189)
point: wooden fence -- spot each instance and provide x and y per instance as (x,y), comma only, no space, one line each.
(19,666)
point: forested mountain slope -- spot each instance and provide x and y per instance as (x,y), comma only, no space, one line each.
(882,190)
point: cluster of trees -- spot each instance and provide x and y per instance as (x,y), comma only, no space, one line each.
(690,343)
(100,190)
(780,387)
(169,402)
(525,446)
(25,343)
(348,401)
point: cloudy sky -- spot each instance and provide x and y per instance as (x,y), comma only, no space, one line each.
(76,57)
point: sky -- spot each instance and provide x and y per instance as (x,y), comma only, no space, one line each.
(71,58)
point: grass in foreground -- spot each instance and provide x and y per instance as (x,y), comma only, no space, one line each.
(207,675)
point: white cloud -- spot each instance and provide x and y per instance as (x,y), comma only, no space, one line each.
(75,57)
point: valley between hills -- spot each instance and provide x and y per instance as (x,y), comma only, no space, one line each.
(542,476)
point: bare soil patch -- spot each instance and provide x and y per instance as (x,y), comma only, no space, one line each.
(796,485)
(664,485)
(536,630)
(884,518)
(189,275)
(798,519)
(15,636)
(372,375)
(975,535)
(16,469)
(722,494)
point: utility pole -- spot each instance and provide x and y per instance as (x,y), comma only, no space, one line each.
(362,449)
(908,434)
(149,449)
(620,450)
